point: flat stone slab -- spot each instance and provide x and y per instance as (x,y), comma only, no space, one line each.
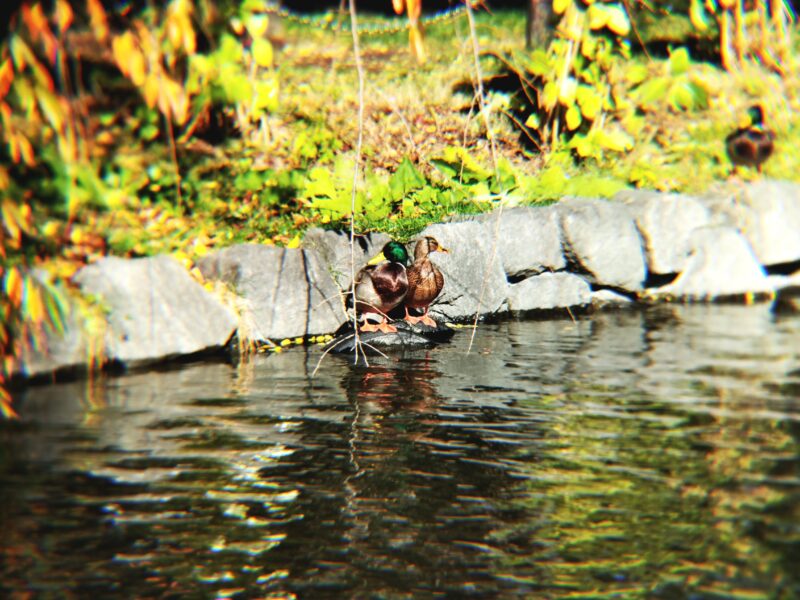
(721,264)
(665,222)
(285,292)
(549,291)
(474,279)
(155,309)
(602,241)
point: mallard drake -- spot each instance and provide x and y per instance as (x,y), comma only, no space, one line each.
(382,285)
(425,280)
(751,144)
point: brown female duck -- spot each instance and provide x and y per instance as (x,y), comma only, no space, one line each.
(752,144)
(425,280)
(382,285)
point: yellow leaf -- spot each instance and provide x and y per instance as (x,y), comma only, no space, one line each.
(399,6)
(12,221)
(33,306)
(697,15)
(151,91)
(257,25)
(13,287)
(97,19)
(64,15)
(598,17)
(573,118)
(262,52)
(294,242)
(618,21)
(559,6)
(51,108)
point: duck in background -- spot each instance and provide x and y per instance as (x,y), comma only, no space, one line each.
(425,281)
(752,144)
(382,285)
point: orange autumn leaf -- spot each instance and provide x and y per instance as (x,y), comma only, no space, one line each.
(64,15)
(39,28)
(6,77)
(97,19)
(398,6)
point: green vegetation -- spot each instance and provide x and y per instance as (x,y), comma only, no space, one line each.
(198,125)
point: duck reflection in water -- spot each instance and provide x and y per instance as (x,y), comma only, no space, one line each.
(404,386)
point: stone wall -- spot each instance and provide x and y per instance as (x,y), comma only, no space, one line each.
(641,246)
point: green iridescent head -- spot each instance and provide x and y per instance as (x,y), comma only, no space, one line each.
(756,114)
(395,252)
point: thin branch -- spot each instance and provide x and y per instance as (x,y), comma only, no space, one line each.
(476,55)
(359,143)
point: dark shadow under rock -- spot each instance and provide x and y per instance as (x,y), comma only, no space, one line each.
(407,337)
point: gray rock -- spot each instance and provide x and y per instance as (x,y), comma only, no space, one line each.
(155,309)
(286,292)
(46,350)
(721,263)
(548,291)
(768,215)
(474,280)
(528,240)
(602,298)
(601,239)
(665,222)
(333,248)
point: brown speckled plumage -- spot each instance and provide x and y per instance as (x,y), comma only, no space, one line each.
(425,280)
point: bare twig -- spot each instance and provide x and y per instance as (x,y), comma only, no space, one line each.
(476,55)
(359,143)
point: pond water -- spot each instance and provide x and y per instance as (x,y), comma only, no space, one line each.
(636,454)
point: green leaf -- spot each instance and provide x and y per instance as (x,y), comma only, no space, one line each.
(262,52)
(698,15)
(679,61)
(406,179)
(636,74)
(652,91)
(533,121)
(539,63)
(617,141)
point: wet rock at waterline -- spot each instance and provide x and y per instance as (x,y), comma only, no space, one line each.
(767,213)
(474,280)
(155,309)
(548,291)
(721,263)
(372,343)
(577,252)
(284,292)
(601,241)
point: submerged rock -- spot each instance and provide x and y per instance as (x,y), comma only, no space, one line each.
(601,239)
(155,309)
(374,342)
(285,292)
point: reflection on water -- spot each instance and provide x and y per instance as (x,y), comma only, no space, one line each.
(649,454)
